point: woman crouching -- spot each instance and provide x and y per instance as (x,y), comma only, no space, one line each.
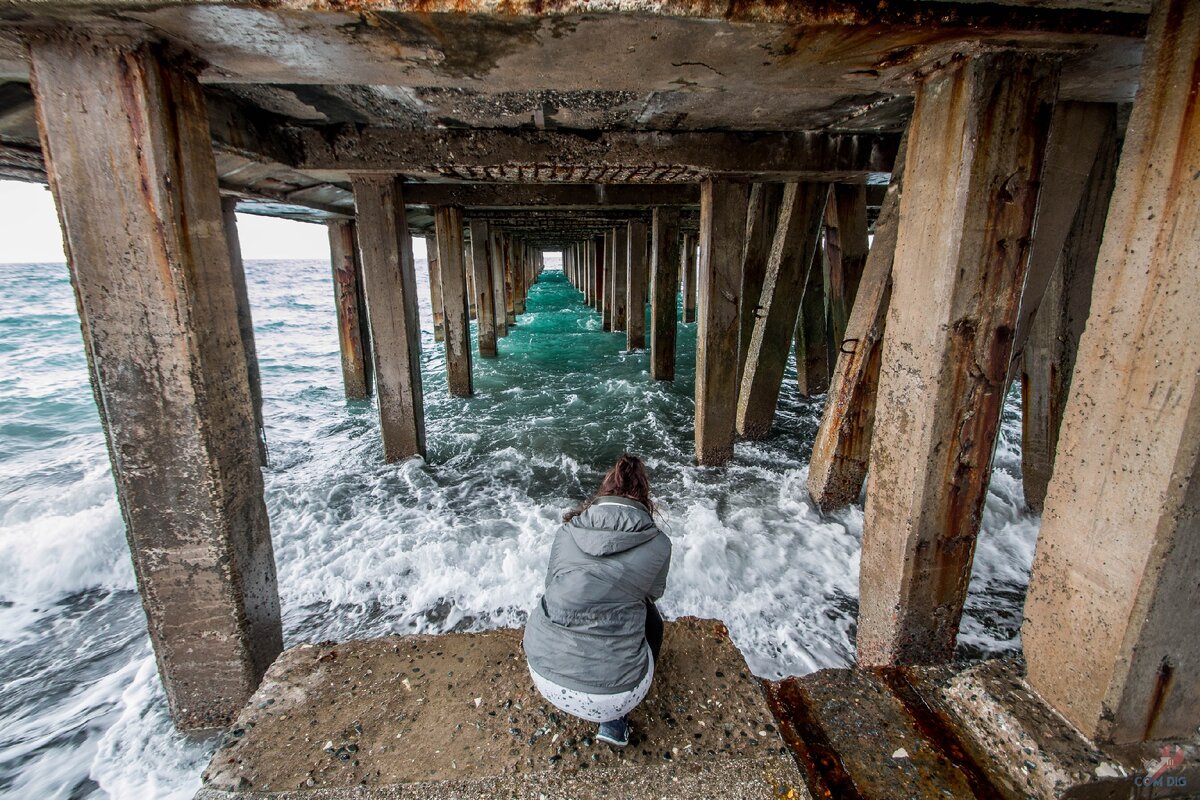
(594,637)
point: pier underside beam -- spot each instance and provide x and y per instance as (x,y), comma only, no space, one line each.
(841,451)
(1112,606)
(761,220)
(635,287)
(1081,162)
(354,338)
(452,262)
(664,291)
(790,257)
(975,149)
(130,163)
(390,281)
(485,304)
(723,207)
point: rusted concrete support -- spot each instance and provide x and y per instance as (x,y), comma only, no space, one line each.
(520,274)
(448,222)
(389,278)
(1113,606)
(354,337)
(620,277)
(975,149)
(688,267)
(499,290)
(635,291)
(510,279)
(245,320)
(485,304)
(130,162)
(790,257)
(761,219)
(812,351)
(846,246)
(664,291)
(1062,266)
(722,236)
(841,451)
(435,287)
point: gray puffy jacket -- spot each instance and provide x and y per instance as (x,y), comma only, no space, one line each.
(588,632)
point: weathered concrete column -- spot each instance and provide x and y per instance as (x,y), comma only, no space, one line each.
(664,291)
(812,352)
(846,246)
(485,304)
(606,287)
(499,290)
(129,159)
(1081,161)
(245,320)
(520,273)
(472,312)
(510,279)
(688,268)
(448,222)
(975,149)
(389,278)
(790,257)
(1113,607)
(762,216)
(722,237)
(354,337)
(635,289)
(435,287)
(841,451)
(600,249)
(620,277)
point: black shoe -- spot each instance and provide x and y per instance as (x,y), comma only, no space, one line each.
(615,733)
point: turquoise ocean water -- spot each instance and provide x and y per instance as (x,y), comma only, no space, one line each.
(456,542)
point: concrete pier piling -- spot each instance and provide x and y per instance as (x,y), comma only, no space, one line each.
(619,278)
(841,450)
(391,286)
(762,216)
(435,287)
(499,282)
(245,319)
(1118,552)
(664,291)
(635,286)
(129,160)
(812,351)
(349,300)
(790,258)
(483,284)
(687,267)
(846,246)
(957,278)
(722,238)
(451,258)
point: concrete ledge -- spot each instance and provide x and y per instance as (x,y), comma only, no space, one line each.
(457,716)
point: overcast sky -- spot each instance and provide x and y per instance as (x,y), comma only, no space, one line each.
(29,231)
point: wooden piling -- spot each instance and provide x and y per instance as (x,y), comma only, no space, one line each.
(129,159)
(841,451)
(812,352)
(354,338)
(390,281)
(448,222)
(790,257)
(664,291)
(722,236)
(485,306)
(635,291)
(975,149)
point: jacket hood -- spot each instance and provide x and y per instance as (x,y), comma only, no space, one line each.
(612,525)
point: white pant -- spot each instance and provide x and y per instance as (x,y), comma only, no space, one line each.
(594,707)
